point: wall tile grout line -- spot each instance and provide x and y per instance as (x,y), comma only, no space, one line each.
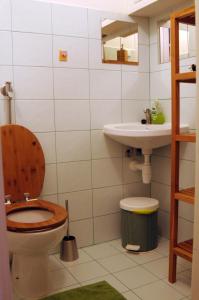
(90,115)
(57,183)
(13,107)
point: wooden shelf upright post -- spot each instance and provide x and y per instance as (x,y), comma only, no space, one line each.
(183,249)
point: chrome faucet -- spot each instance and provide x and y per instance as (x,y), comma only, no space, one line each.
(147,112)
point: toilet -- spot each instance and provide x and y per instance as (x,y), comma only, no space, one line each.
(34,226)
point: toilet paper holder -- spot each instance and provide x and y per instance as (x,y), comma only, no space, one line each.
(7,92)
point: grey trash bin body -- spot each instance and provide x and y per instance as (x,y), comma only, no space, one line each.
(139,223)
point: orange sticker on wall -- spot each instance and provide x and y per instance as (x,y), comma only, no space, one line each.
(63,55)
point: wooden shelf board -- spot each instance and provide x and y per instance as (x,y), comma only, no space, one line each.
(186,16)
(186,195)
(189,77)
(184,249)
(186,137)
(118,62)
(190,20)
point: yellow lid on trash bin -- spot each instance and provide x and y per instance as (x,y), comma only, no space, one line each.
(140,205)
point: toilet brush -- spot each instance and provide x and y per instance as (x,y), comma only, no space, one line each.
(68,250)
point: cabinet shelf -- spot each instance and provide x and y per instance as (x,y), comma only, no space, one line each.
(184,249)
(186,16)
(189,77)
(186,195)
(187,137)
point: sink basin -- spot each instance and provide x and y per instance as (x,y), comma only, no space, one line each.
(144,136)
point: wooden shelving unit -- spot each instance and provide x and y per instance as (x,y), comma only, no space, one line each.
(183,249)
(186,195)
(189,77)
(188,137)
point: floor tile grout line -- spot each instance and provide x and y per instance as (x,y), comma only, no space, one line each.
(102,267)
(134,294)
(158,279)
(116,272)
(133,290)
(173,287)
(119,252)
(113,274)
(69,272)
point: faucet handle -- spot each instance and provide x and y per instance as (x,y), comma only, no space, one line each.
(147,112)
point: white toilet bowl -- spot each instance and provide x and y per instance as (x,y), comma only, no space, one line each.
(30,247)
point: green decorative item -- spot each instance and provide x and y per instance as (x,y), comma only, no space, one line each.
(97,291)
(157,115)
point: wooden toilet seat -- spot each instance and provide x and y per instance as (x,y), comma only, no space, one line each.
(24,171)
(59,216)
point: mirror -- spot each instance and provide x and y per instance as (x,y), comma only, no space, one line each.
(187,42)
(119,42)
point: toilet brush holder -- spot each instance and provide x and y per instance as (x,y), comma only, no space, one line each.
(68,250)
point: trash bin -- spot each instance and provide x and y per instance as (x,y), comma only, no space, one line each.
(139,223)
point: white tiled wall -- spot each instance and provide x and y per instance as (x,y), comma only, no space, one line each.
(66,105)
(160,88)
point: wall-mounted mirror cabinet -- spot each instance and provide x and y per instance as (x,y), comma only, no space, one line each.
(187,42)
(119,42)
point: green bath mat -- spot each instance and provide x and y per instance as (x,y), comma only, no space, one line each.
(97,291)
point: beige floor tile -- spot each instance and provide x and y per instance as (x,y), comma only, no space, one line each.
(117,263)
(187,264)
(59,279)
(87,271)
(130,296)
(16,297)
(54,264)
(144,257)
(65,289)
(111,280)
(83,258)
(158,290)
(163,247)
(160,267)
(183,283)
(118,245)
(101,251)
(135,277)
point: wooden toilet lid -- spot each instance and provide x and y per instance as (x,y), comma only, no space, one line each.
(59,216)
(23,162)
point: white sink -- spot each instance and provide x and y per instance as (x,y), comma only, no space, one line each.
(146,137)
